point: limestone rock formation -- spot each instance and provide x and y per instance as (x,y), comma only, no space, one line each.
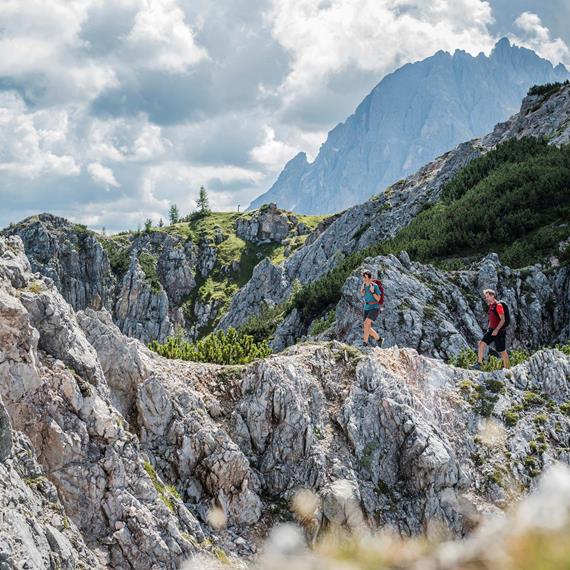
(138,449)
(35,531)
(266,225)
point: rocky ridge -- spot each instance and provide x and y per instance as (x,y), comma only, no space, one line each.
(151,282)
(138,449)
(382,216)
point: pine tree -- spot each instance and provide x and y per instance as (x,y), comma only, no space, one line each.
(203,203)
(147,226)
(160,223)
(173,214)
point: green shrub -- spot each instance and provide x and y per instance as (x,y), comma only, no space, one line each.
(523,187)
(320,325)
(262,327)
(540,420)
(532,399)
(547,88)
(511,417)
(231,347)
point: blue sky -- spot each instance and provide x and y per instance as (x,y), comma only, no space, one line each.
(110,110)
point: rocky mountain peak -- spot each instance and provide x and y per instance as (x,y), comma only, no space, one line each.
(413,115)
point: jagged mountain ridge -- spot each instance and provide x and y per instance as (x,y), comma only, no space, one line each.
(384,438)
(412,116)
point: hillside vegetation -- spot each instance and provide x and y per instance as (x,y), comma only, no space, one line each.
(235,257)
(515,201)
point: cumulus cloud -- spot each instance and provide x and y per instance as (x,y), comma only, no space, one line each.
(536,36)
(327,37)
(272,153)
(161,39)
(102,175)
(32,143)
(132,139)
(52,53)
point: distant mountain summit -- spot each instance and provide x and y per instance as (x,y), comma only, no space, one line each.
(412,116)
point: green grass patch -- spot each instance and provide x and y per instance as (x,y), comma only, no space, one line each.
(165,492)
(148,265)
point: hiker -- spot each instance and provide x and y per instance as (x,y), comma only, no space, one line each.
(496,332)
(373,299)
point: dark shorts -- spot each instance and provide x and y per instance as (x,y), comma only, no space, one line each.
(371,314)
(500,340)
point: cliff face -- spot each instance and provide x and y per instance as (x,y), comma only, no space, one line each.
(136,449)
(412,116)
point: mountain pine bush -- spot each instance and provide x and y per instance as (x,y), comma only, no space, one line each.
(231,347)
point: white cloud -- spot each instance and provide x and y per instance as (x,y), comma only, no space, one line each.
(179,182)
(272,153)
(161,39)
(102,175)
(534,35)
(40,43)
(132,139)
(378,35)
(33,143)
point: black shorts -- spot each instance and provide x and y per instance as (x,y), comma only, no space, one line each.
(500,340)
(371,314)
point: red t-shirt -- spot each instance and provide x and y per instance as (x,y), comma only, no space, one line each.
(495,315)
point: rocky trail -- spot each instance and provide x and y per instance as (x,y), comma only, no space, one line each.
(114,457)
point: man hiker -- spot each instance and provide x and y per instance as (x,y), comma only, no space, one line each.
(372,301)
(496,331)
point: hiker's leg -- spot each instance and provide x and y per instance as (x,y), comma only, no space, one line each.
(481,353)
(373,333)
(367,325)
(505,357)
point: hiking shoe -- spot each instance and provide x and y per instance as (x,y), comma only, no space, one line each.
(380,341)
(476,366)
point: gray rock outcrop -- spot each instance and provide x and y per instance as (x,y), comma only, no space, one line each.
(35,532)
(268,224)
